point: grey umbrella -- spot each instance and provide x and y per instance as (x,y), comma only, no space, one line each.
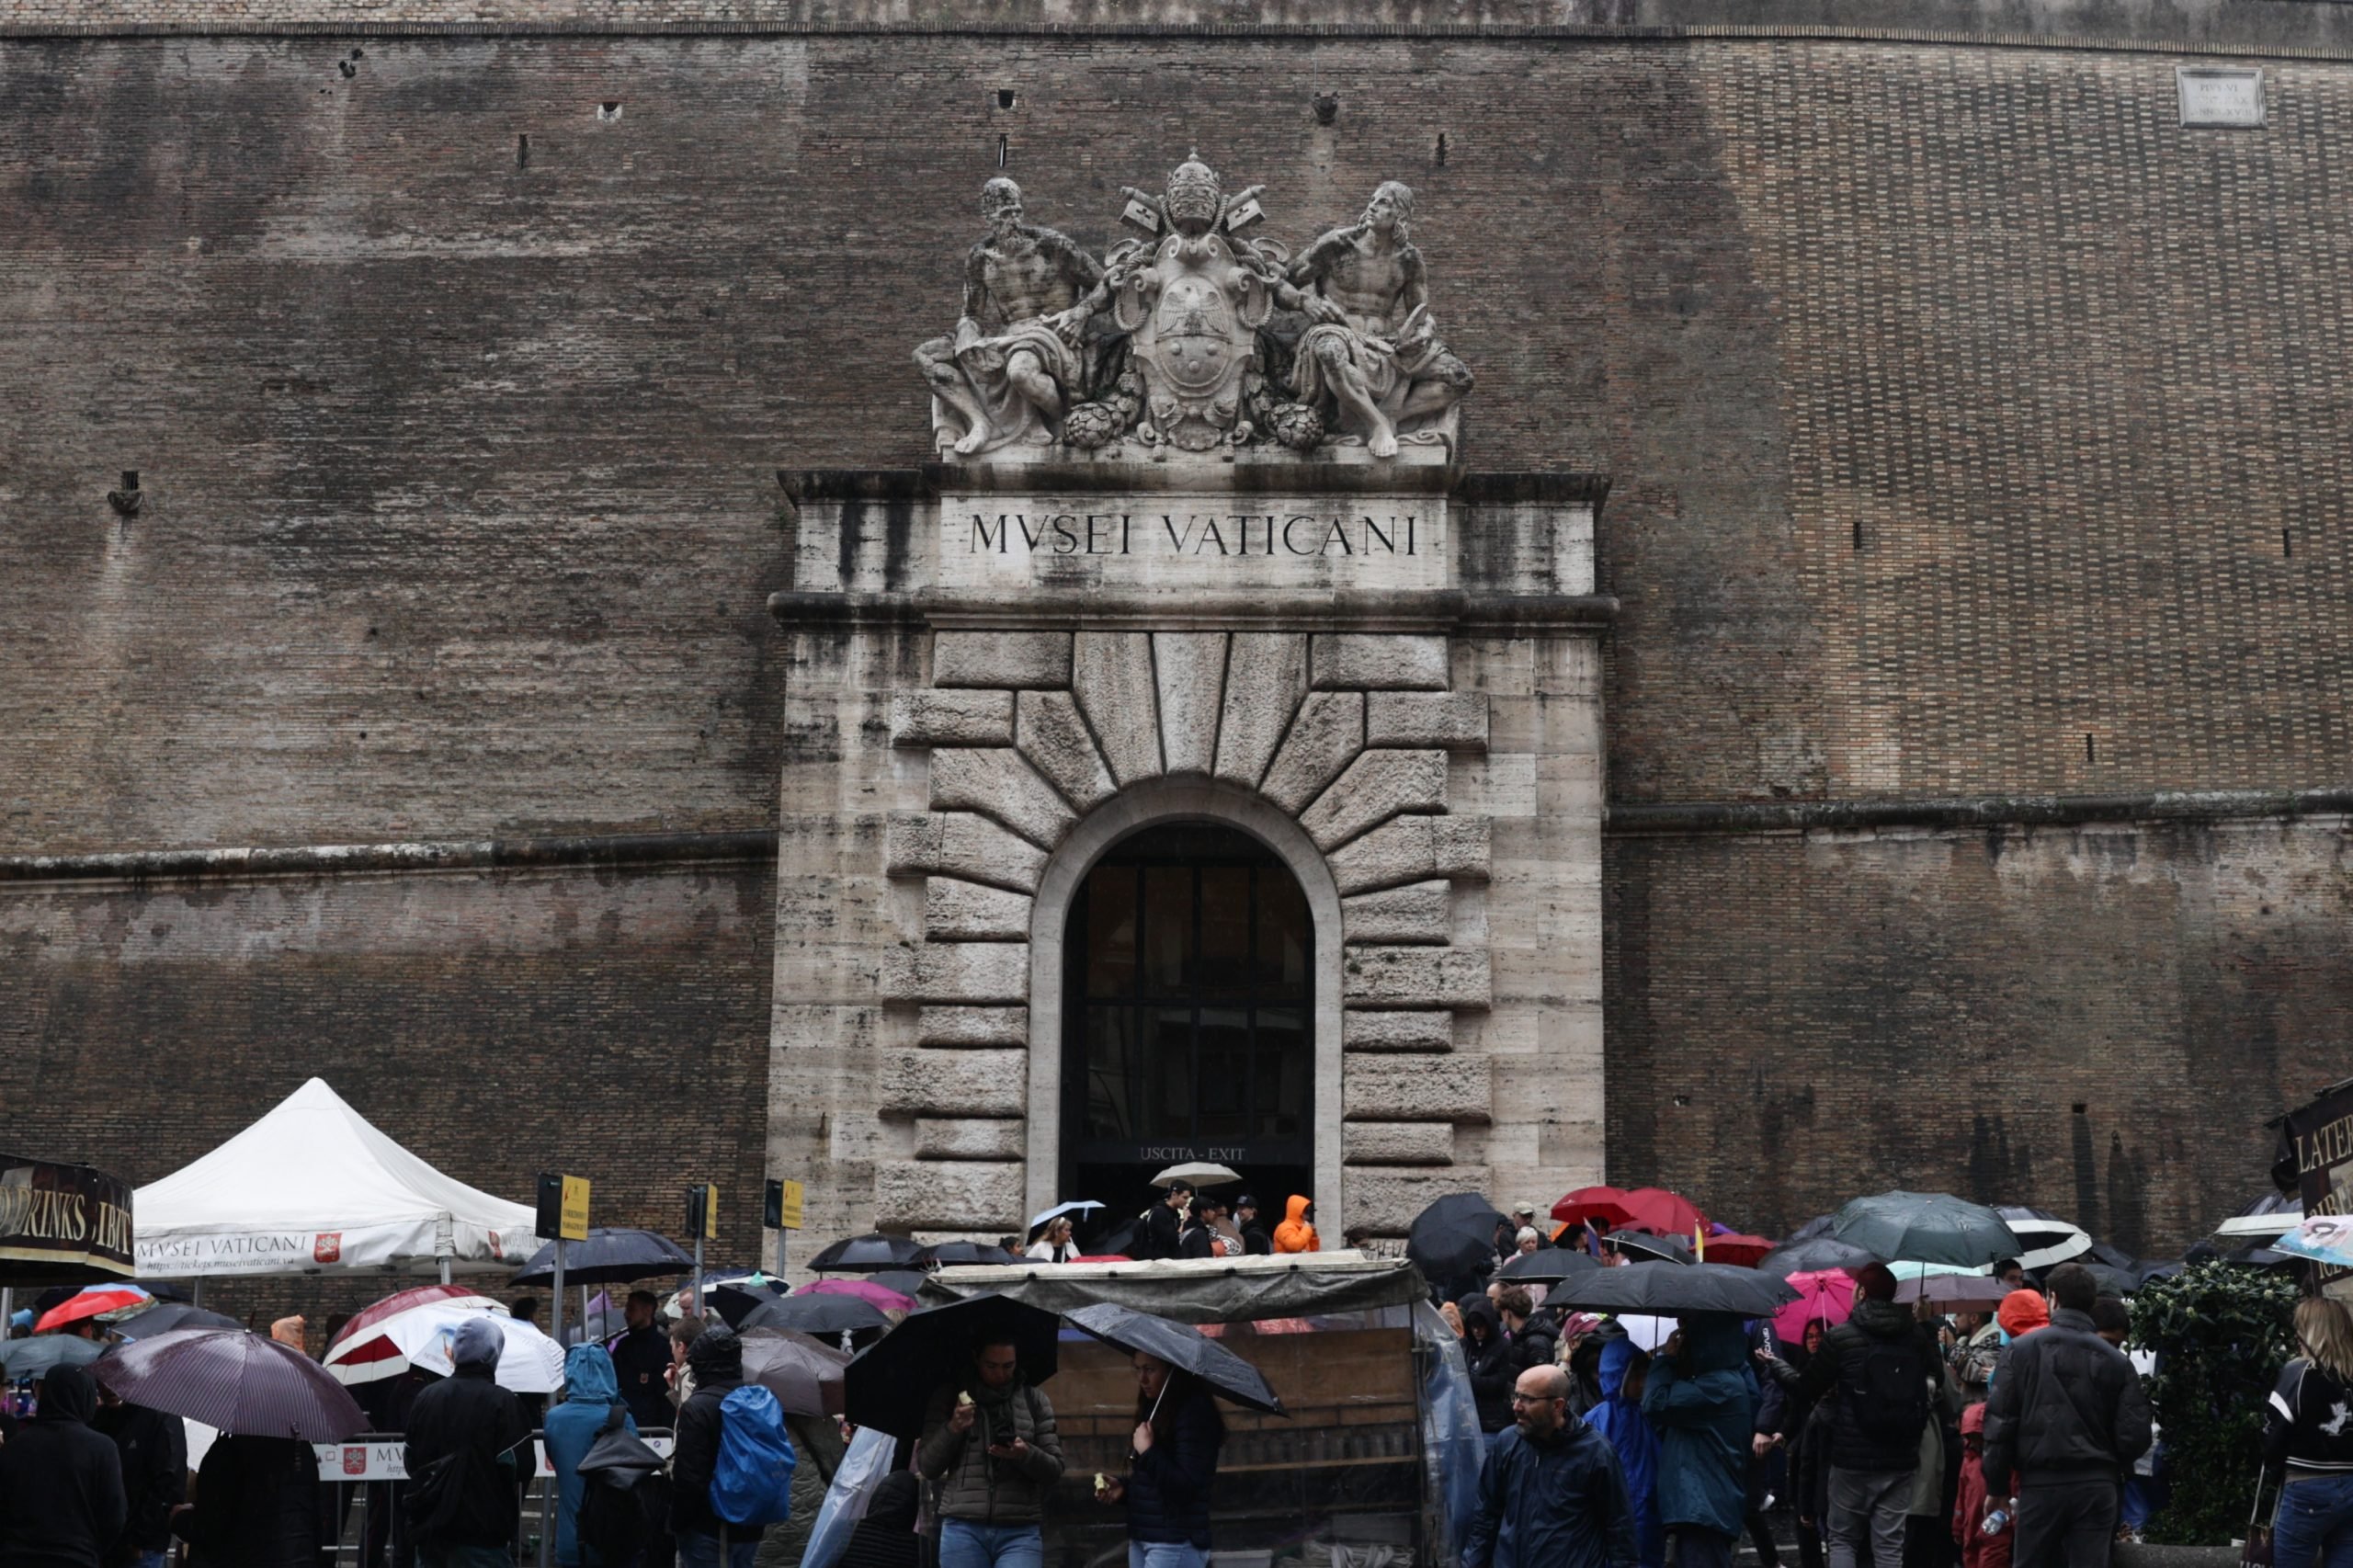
(234,1379)
(1668,1288)
(1927,1227)
(1547,1266)
(1182,1345)
(31,1358)
(1812,1255)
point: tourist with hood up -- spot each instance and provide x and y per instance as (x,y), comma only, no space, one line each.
(1973,1503)
(1550,1494)
(1878,1371)
(1487,1355)
(468,1457)
(989,1441)
(153,1450)
(61,1503)
(1617,1415)
(716,1361)
(592,1403)
(1701,1399)
(1296,1232)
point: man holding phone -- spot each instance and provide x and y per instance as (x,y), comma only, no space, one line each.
(989,1438)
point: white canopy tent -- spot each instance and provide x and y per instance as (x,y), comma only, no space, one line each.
(313,1189)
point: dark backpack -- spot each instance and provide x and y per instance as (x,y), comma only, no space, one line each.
(625,1495)
(1886,1387)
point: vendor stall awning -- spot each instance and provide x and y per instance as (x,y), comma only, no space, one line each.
(313,1187)
(62,1225)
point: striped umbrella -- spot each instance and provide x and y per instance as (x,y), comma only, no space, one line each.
(233,1380)
(368,1347)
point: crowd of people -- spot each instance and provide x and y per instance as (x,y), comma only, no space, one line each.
(1904,1437)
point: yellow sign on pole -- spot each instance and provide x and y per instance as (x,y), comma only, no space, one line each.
(710,1213)
(788,1211)
(573,1221)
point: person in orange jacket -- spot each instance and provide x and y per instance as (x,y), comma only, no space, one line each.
(1296,1232)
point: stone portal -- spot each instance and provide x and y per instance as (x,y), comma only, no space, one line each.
(1359,703)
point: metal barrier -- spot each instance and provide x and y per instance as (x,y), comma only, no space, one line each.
(367,1470)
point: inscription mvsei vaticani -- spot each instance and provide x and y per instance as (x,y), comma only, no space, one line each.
(1195,534)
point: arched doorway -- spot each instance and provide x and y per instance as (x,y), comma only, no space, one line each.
(1188,1017)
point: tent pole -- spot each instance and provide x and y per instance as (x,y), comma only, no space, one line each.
(698,1306)
(195,1293)
(444,1269)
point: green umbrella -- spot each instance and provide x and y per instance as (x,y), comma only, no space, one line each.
(1926,1227)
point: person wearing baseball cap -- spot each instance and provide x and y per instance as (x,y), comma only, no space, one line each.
(1255,1242)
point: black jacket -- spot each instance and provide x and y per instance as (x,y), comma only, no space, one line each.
(1168,1490)
(469,1414)
(1860,1437)
(1493,1370)
(716,1358)
(1160,1228)
(2304,1431)
(642,1361)
(1536,1345)
(2066,1405)
(152,1448)
(60,1485)
(256,1505)
(1255,1242)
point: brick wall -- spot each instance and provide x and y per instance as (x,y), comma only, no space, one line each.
(1794,1020)
(613,1025)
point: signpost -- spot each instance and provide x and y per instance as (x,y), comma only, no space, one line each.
(703,1223)
(563,1214)
(782,1212)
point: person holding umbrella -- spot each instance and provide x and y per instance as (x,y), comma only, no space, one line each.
(1164,1225)
(1173,1468)
(989,1440)
(257,1504)
(1701,1399)
(61,1483)
(468,1457)
(1054,1246)
(154,1449)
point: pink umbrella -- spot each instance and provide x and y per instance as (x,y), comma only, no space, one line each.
(1827,1297)
(866,1291)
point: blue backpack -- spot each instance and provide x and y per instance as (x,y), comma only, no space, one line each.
(752,1484)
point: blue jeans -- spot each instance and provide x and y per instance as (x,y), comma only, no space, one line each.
(963,1544)
(2316,1525)
(151,1559)
(702,1551)
(1165,1554)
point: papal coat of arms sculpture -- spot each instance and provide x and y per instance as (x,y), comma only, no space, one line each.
(1195,338)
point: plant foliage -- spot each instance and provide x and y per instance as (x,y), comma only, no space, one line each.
(2221,1331)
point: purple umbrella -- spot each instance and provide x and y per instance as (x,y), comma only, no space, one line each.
(235,1380)
(873,1295)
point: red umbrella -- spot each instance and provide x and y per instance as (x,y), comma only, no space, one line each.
(89,1303)
(1603,1203)
(1668,1213)
(1745,1251)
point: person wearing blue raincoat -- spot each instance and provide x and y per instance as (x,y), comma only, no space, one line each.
(1701,1398)
(592,1392)
(1620,1418)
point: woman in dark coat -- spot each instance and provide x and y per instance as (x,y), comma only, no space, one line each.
(1173,1468)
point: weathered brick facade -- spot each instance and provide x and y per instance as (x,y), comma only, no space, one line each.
(1974,429)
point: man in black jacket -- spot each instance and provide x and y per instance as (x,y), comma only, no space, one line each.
(716,1359)
(1255,1242)
(2068,1417)
(1882,1368)
(642,1362)
(152,1448)
(474,1429)
(61,1483)
(1164,1224)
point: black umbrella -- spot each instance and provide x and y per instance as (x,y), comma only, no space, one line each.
(820,1315)
(2111,1281)
(736,1302)
(1547,1266)
(951,1255)
(238,1382)
(32,1357)
(1658,1249)
(1454,1236)
(1181,1346)
(169,1316)
(610,1255)
(906,1282)
(1666,1289)
(866,1254)
(890,1383)
(1813,1256)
